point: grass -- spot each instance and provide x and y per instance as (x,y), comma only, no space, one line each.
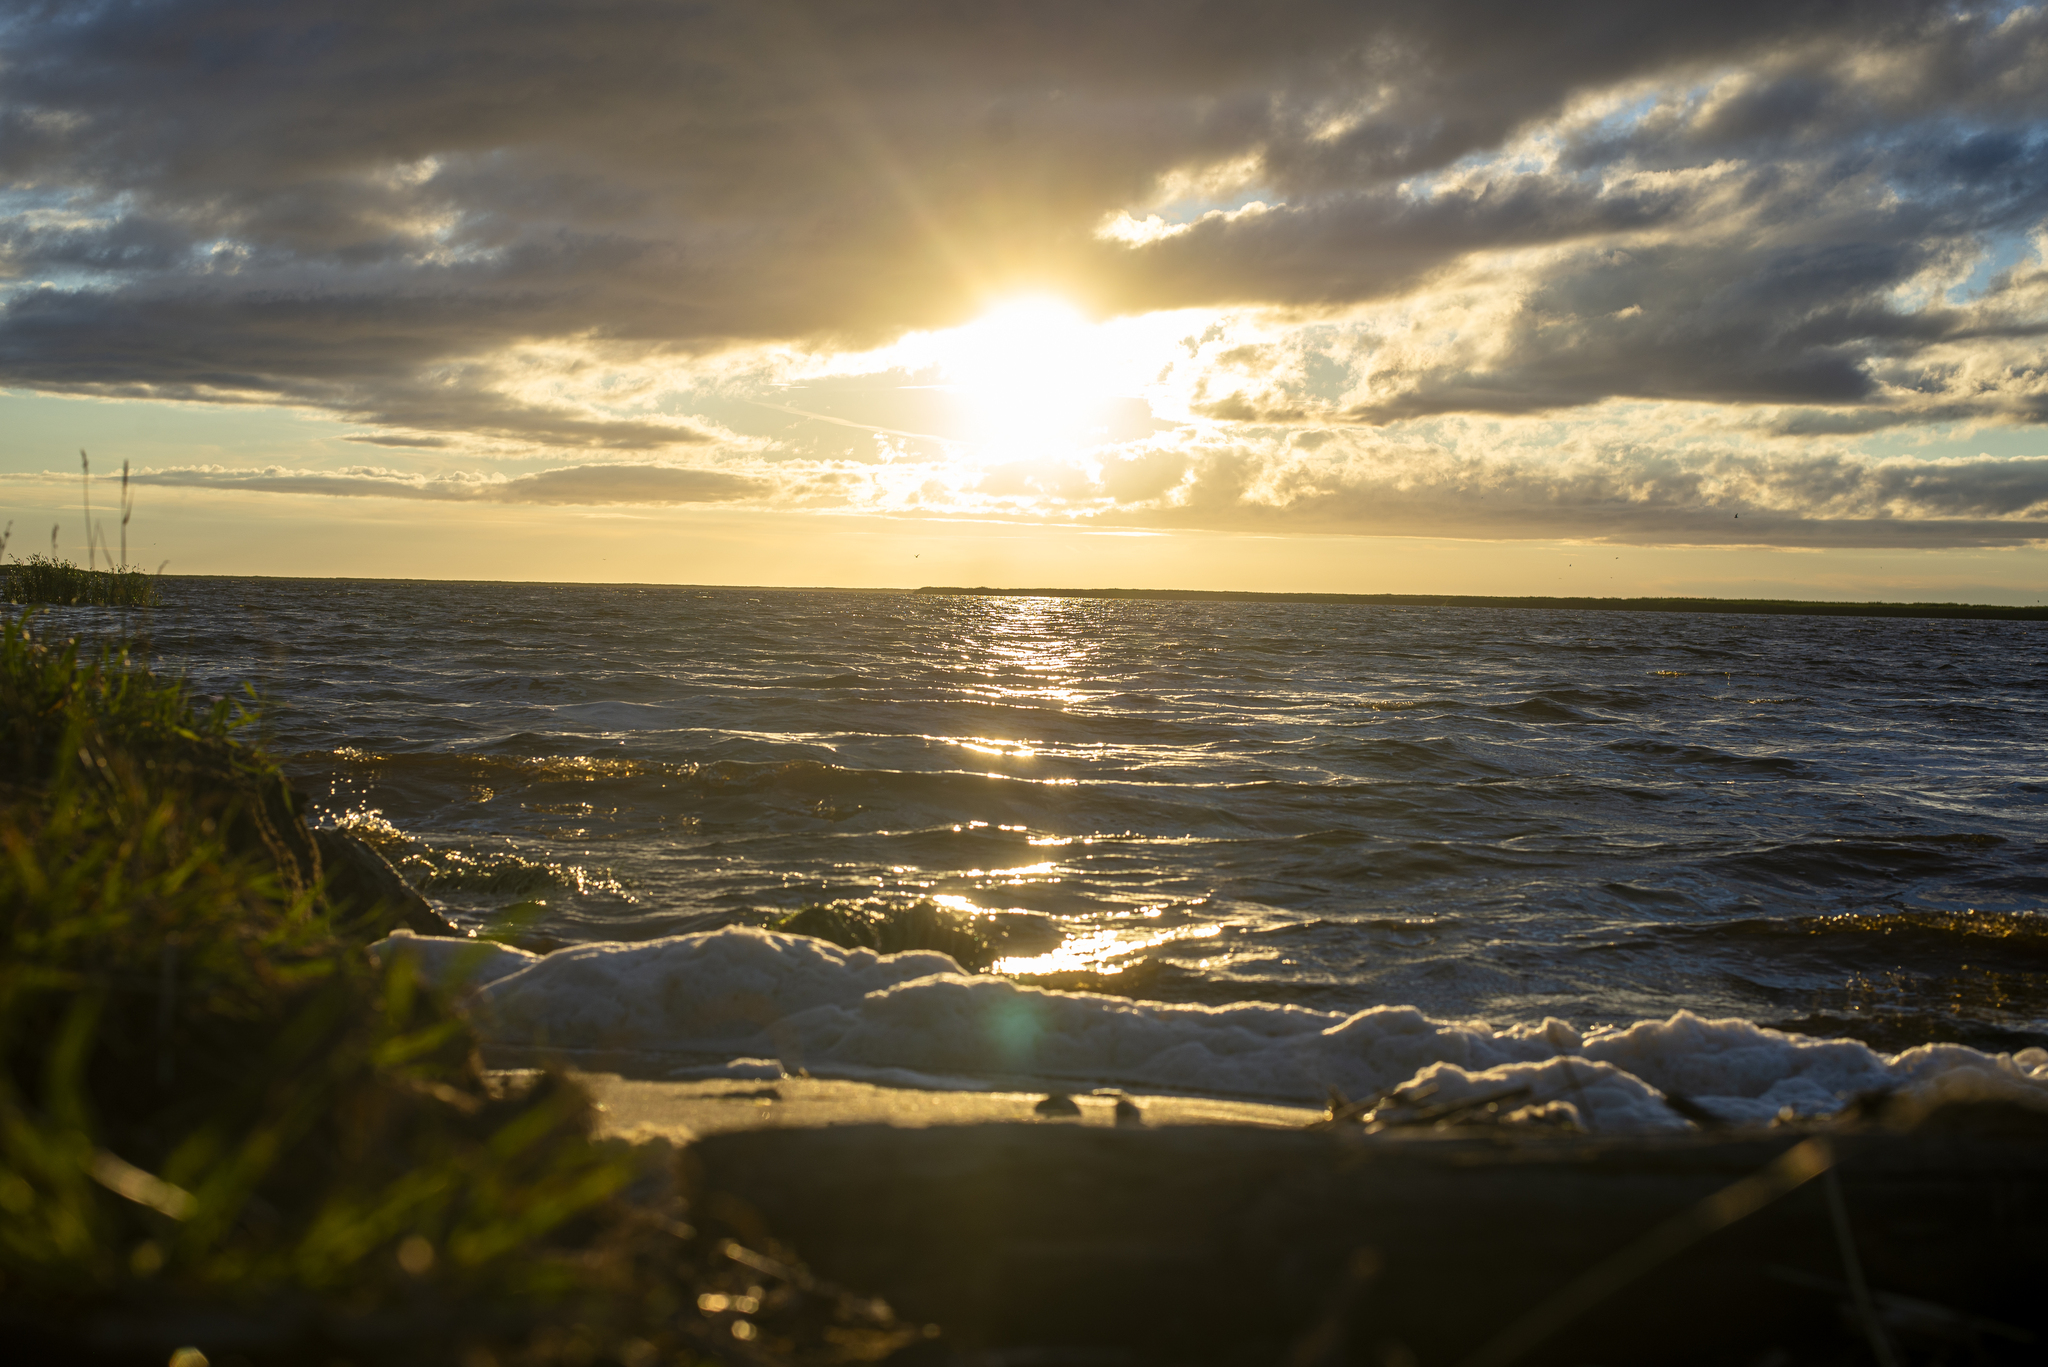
(222,1125)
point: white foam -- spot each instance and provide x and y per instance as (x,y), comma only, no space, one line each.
(447,958)
(763,999)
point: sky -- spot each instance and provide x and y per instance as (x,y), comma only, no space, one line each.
(1743,299)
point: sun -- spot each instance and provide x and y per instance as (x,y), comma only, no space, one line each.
(1031,372)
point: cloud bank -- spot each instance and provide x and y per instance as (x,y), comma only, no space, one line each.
(1724,498)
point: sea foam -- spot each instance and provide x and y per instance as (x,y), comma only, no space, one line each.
(691,1004)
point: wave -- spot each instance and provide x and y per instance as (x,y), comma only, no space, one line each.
(692,1001)
(764,795)
(1703,756)
(820,681)
(470,767)
(1437,758)
(2023,933)
(1856,860)
(1541,710)
(438,869)
(446,871)
(1614,699)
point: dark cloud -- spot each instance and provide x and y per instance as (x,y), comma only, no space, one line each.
(629,484)
(402,443)
(369,357)
(585,485)
(1963,81)
(1758,309)
(1340,249)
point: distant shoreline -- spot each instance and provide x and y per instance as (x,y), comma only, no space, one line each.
(1770,607)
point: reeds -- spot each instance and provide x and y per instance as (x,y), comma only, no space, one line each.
(49,579)
(46,579)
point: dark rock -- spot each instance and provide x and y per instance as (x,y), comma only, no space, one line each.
(368,895)
(894,929)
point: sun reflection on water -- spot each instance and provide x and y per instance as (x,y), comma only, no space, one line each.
(998,748)
(1100,949)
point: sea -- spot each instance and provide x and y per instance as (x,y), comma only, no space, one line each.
(1208,830)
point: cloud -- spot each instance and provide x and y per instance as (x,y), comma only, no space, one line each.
(629,484)
(1359,485)
(483,227)
(1702,499)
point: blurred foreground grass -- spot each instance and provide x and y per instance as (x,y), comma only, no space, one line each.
(222,1125)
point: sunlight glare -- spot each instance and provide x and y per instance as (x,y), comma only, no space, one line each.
(1031,372)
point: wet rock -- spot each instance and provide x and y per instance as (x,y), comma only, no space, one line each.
(367,894)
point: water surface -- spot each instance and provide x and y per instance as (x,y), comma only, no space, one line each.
(1834,824)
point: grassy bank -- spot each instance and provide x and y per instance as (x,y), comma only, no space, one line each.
(1768,607)
(223,1126)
